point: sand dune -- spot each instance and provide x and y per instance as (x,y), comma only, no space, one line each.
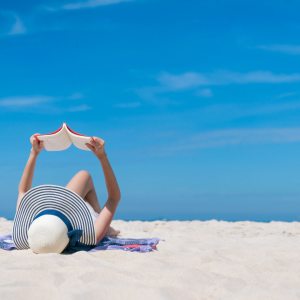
(196,260)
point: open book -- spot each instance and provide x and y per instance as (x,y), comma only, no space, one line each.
(63,138)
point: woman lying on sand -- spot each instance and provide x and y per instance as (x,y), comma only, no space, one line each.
(51,218)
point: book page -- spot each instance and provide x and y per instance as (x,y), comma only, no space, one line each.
(79,140)
(57,140)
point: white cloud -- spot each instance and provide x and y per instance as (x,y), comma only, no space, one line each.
(233,111)
(183,81)
(230,137)
(128,105)
(18,27)
(76,96)
(86,4)
(25,101)
(82,107)
(12,24)
(286,49)
(43,103)
(206,93)
(168,82)
(190,80)
(286,95)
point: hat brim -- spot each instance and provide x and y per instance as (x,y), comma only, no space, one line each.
(48,196)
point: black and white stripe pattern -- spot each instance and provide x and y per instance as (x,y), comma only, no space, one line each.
(49,196)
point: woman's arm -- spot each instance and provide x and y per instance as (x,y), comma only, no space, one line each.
(114,195)
(112,186)
(105,217)
(27,176)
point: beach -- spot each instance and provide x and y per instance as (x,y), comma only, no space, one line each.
(194,260)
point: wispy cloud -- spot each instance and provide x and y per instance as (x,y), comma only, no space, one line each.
(206,93)
(75,96)
(128,105)
(286,49)
(18,27)
(25,101)
(190,80)
(12,24)
(230,137)
(43,102)
(82,107)
(233,111)
(287,95)
(168,82)
(84,4)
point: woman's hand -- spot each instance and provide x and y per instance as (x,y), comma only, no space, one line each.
(97,146)
(37,145)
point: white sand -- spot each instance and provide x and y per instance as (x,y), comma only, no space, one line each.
(197,260)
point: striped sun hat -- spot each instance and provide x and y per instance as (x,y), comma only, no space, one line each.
(52,214)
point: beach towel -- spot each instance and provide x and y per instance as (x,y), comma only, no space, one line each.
(107,243)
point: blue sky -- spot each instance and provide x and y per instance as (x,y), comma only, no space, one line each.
(198,102)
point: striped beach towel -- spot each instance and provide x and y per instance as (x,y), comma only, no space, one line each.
(107,243)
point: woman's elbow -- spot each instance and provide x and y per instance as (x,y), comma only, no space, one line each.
(118,196)
(115,196)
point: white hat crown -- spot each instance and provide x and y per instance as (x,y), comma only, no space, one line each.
(48,234)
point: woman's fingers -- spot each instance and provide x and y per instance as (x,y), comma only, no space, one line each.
(37,142)
(34,138)
(97,142)
(96,145)
(92,141)
(41,144)
(37,145)
(91,147)
(34,141)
